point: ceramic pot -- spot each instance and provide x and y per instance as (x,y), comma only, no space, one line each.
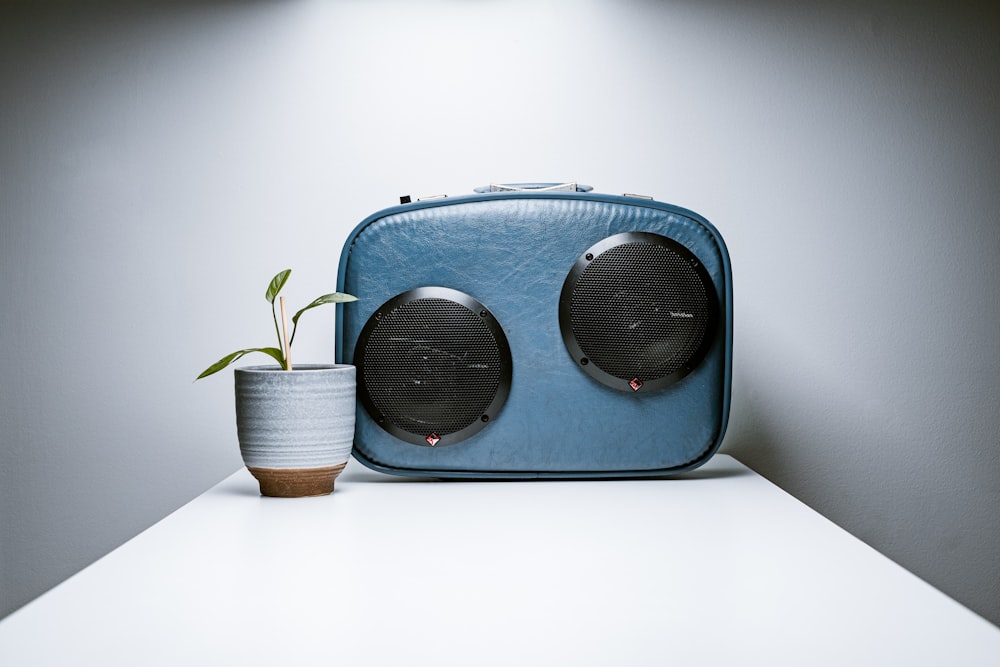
(296,428)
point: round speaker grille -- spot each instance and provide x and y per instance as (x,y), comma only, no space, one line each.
(637,311)
(434,366)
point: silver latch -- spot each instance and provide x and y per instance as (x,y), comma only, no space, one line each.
(407,199)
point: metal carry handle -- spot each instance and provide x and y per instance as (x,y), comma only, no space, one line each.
(534,187)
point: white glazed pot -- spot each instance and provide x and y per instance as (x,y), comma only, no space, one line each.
(296,428)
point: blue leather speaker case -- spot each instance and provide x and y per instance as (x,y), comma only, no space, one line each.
(512,251)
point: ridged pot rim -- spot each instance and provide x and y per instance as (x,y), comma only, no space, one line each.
(301,369)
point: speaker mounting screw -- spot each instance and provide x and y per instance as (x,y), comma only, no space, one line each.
(482,313)
(484,418)
(589,256)
(584,361)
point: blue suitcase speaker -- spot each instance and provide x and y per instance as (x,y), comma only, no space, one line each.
(537,330)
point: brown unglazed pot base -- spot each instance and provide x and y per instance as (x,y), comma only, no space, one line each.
(296,482)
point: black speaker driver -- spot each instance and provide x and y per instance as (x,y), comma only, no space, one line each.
(434,366)
(638,311)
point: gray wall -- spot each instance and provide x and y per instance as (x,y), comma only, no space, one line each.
(159,161)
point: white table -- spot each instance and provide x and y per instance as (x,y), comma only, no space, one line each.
(718,567)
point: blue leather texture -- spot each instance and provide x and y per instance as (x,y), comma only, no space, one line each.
(512,251)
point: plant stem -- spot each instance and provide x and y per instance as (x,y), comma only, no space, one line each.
(284,331)
(277,331)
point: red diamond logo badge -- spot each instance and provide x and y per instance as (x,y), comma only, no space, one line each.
(433,439)
(636,384)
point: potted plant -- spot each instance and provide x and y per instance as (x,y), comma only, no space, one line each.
(295,424)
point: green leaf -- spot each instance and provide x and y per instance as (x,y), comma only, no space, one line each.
(277,283)
(334,297)
(230,358)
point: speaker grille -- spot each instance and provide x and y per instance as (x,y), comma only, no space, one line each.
(637,311)
(434,366)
